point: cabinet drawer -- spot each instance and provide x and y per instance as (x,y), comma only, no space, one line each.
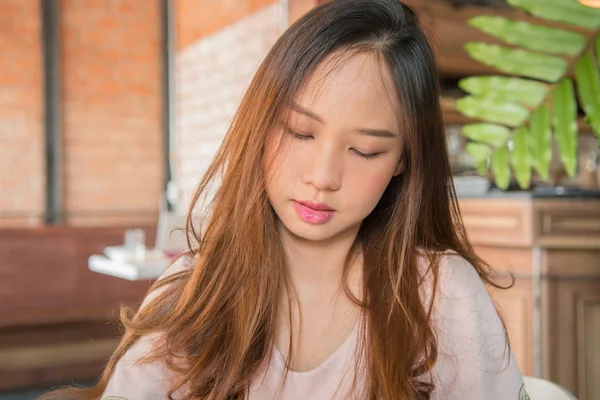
(498,222)
(572,223)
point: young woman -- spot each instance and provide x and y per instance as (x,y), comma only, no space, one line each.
(333,263)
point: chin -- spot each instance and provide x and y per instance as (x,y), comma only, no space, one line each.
(305,231)
(316,233)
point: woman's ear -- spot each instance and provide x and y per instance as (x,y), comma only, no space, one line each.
(400,167)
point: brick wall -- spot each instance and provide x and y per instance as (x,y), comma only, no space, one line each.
(22,176)
(198,19)
(213,68)
(112,110)
(111,98)
(297,8)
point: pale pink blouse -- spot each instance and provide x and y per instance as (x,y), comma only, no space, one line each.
(474,362)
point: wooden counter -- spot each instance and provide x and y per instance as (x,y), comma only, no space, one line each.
(552,247)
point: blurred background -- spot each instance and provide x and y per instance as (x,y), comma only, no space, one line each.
(110,112)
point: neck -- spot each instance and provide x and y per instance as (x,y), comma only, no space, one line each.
(316,267)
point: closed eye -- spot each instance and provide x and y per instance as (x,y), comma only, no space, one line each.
(365,155)
(298,135)
(301,136)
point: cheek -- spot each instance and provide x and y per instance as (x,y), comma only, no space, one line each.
(271,148)
(367,188)
(280,165)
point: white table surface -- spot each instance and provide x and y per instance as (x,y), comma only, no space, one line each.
(127,270)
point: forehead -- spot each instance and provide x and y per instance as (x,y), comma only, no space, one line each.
(352,88)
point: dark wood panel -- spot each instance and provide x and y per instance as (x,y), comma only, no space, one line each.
(58,334)
(59,320)
(66,374)
(44,277)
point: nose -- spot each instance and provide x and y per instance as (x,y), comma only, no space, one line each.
(324,168)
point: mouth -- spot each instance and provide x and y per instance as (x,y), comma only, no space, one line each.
(313,213)
(315,206)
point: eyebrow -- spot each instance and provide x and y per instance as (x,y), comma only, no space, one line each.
(376,132)
(382,133)
(301,110)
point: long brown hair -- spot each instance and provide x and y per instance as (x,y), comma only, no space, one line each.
(220,315)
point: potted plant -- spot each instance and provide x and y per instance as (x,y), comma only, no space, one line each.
(535,100)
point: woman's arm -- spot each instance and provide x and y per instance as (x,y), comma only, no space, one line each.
(474,361)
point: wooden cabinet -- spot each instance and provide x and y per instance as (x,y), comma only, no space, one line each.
(552,313)
(572,327)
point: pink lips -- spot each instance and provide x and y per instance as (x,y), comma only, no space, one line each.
(313,213)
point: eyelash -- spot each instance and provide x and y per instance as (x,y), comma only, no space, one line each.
(297,135)
(308,137)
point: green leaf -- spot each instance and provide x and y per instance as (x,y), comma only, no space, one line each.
(480,153)
(565,124)
(492,134)
(500,167)
(518,62)
(505,89)
(569,11)
(588,88)
(597,46)
(530,36)
(520,157)
(541,140)
(490,110)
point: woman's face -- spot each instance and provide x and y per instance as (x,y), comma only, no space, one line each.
(331,163)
